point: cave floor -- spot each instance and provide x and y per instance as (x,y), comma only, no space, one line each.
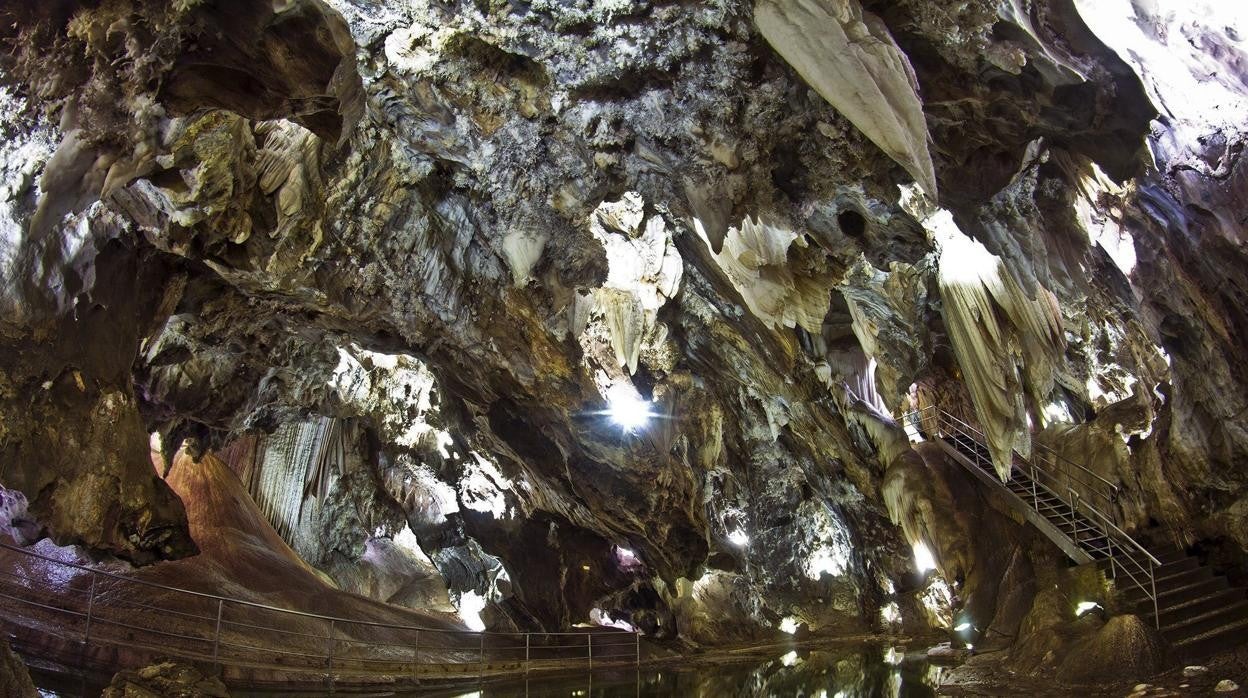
(983,675)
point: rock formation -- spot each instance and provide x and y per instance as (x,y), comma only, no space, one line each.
(14,679)
(390,263)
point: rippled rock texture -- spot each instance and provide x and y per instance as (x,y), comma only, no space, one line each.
(14,679)
(391,261)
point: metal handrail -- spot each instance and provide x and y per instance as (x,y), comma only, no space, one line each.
(332,653)
(1054,456)
(1128,548)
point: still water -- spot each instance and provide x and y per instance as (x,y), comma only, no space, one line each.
(840,672)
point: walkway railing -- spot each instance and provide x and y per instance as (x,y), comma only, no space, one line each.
(1092,500)
(69,609)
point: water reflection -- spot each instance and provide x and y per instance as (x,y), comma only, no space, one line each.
(843,672)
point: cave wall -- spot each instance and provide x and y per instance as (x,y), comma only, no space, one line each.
(391,261)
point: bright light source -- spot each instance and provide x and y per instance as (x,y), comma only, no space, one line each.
(891,613)
(789,659)
(962,626)
(892,656)
(470,606)
(1084,606)
(923,560)
(626,408)
(738,538)
(969,646)
(627,558)
(788,625)
(828,559)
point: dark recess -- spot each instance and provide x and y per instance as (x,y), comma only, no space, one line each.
(852,223)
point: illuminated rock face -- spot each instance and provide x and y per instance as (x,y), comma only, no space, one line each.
(389,261)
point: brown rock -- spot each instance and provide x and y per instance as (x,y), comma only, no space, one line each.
(14,679)
(1126,648)
(165,680)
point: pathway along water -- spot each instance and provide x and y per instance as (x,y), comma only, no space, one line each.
(844,671)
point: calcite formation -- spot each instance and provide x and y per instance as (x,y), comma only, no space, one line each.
(848,56)
(388,263)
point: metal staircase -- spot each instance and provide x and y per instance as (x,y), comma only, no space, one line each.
(1197,611)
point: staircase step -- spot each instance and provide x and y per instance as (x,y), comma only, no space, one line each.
(1175,612)
(1219,638)
(1168,576)
(1082,526)
(1059,508)
(1170,595)
(1166,563)
(1192,626)
(1168,554)
(1199,612)
(1177,577)
(1187,563)
(1062,521)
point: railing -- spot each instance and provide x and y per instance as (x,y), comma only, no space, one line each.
(67,609)
(1092,507)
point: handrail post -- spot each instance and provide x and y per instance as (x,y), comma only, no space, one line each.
(416,658)
(216,634)
(481,652)
(329,655)
(1074,522)
(526,652)
(589,637)
(86,632)
(1109,550)
(1152,580)
(637,640)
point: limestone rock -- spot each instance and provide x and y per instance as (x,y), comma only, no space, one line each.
(848,56)
(14,679)
(391,262)
(168,679)
(1124,646)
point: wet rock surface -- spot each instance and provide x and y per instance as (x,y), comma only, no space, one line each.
(983,676)
(390,264)
(14,679)
(168,680)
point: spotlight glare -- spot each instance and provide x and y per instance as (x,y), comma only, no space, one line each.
(1084,606)
(923,560)
(626,408)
